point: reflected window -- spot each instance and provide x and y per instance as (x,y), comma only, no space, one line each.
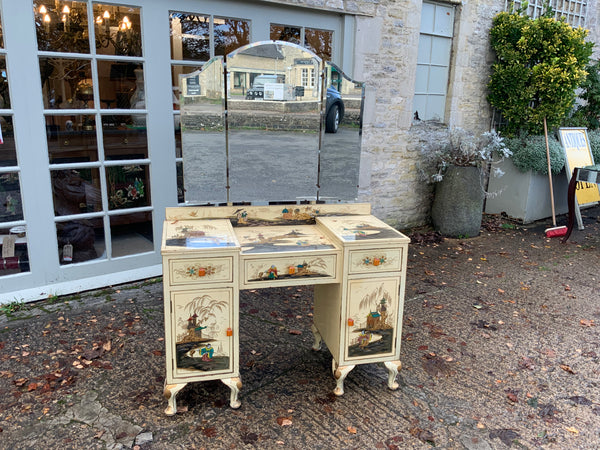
(15,255)
(62,26)
(76,191)
(11,208)
(308,77)
(318,41)
(131,233)
(286,33)
(71,138)
(118,30)
(8,151)
(230,34)
(66,83)
(125,137)
(128,186)
(80,240)
(4,93)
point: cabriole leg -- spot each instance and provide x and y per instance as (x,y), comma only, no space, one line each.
(170,392)
(235,384)
(393,367)
(340,373)
(318,338)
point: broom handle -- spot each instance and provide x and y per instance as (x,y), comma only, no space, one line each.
(549,173)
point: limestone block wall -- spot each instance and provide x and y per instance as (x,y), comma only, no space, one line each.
(385,57)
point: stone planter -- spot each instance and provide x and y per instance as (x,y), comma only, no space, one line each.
(525,196)
(458,202)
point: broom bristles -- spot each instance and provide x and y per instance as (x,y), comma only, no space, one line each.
(556,231)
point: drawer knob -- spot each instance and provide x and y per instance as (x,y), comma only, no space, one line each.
(350,322)
(229,332)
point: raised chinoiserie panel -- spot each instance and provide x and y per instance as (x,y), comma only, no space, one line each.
(200,270)
(373,318)
(200,342)
(375,260)
(298,269)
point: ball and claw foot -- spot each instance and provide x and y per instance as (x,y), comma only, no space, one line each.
(235,384)
(393,367)
(340,373)
(318,339)
(170,392)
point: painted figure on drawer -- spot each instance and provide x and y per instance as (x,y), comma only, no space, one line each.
(202,325)
(373,331)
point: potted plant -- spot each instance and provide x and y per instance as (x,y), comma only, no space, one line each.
(457,166)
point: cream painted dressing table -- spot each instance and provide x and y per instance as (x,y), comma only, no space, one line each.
(356,263)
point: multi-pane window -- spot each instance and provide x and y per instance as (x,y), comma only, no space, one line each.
(13,230)
(308,77)
(195,38)
(318,41)
(574,12)
(92,80)
(433,61)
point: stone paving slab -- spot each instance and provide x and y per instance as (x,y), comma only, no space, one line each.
(500,349)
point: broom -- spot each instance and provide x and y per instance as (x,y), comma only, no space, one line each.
(554,231)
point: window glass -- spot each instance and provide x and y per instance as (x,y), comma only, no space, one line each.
(285,33)
(177,70)
(66,83)
(15,257)
(230,34)
(80,240)
(125,137)
(11,208)
(320,42)
(8,151)
(121,84)
(131,233)
(4,93)
(128,186)
(62,26)
(76,191)
(71,138)
(190,36)
(118,30)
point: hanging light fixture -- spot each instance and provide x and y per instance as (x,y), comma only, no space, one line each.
(66,9)
(43,9)
(106,14)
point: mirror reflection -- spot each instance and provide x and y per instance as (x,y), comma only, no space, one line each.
(203,138)
(265,129)
(273,101)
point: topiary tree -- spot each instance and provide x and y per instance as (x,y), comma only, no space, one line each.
(539,65)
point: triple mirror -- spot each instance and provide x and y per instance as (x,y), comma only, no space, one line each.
(270,122)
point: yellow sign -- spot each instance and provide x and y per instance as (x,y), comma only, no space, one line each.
(578,154)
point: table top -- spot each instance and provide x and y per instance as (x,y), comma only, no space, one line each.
(194,235)
(361,229)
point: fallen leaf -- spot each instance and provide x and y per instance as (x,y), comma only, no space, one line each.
(567,369)
(298,332)
(284,421)
(572,430)
(512,397)
(351,430)
(587,323)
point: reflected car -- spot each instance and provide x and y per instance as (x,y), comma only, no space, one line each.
(334,110)
(257,91)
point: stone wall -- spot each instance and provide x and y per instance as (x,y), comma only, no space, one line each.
(386,44)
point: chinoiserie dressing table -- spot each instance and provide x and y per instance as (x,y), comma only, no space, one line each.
(356,263)
(266,188)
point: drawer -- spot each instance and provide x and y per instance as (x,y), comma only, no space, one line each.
(375,260)
(290,270)
(200,270)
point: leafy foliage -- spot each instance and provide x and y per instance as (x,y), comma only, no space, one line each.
(588,114)
(594,138)
(462,148)
(529,153)
(539,65)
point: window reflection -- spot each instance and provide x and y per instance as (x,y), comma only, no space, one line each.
(80,240)
(319,42)
(190,36)
(4,93)
(66,83)
(118,30)
(285,33)
(71,138)
(131,233)
(128,186)
(176,71)
(125,137)
(8,151)
(15,257)
(11,208)
(76,191)
(62,26)
(230,34)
